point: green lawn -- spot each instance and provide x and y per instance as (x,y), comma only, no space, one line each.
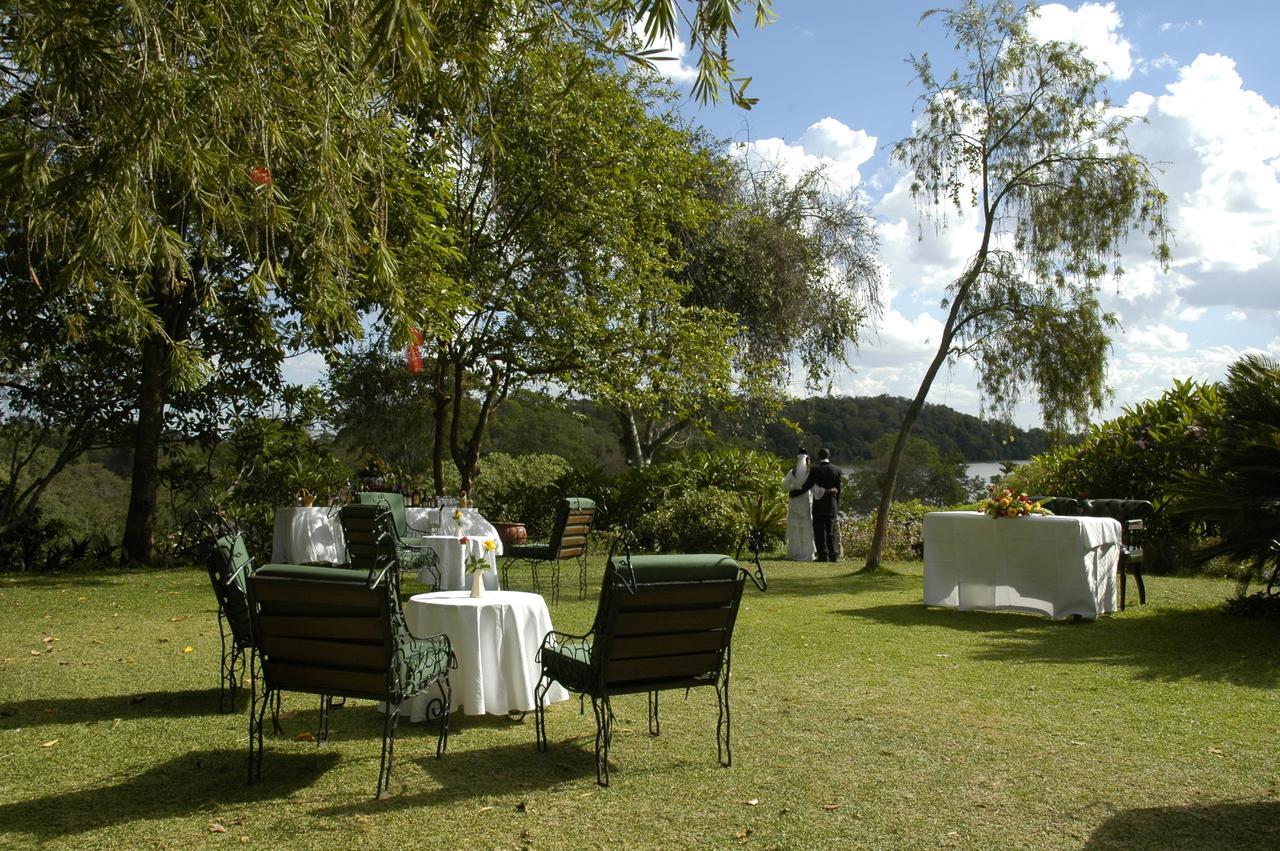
(861,719)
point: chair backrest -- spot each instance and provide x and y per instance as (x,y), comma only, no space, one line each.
(392,501)
(1132,514)
(1063,506)
(325,630)
(228,564)
(665,621)
(573,522)
(370,534)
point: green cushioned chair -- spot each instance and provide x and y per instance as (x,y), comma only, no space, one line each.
(228,563)
(568,541)
(663,622)
(338,632)
(414,553)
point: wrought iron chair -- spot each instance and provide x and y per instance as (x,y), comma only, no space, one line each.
(414,552)
(338,632)
(663,622)
(568,541)
(1132,514)
(228,563)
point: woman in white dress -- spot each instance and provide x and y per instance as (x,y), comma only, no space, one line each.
(800,545)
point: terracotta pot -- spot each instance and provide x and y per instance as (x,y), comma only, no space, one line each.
(511,534)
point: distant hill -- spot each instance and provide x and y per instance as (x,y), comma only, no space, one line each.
(850,425)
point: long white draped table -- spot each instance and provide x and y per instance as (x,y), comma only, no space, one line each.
(303,535)
(1056,566)
(496,639)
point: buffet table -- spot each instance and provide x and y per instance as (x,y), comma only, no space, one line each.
(308,535)
(496,639)
(1056,566)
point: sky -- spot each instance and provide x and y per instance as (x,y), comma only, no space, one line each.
(835,89)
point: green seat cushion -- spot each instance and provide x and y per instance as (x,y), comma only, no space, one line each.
(393,501)
(569,665)
(677,567)
(310,571)
(536,552)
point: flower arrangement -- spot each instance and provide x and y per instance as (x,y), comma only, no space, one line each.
(476,550)
(1007,502)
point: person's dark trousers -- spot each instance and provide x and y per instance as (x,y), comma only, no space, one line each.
(825,539)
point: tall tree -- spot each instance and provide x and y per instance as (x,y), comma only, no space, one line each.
(559,216)
(775,253)
(1024,136)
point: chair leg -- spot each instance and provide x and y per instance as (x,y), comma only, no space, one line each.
(604,735)
(225,666)
(1121,573)
(555,581)
(388,749)
(257,718)
(582,579)
(442,741)
(724,750)
(326,702)
(655,725)
(1142,589)
(540,712)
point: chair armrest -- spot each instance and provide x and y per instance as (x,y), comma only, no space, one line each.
(555,638)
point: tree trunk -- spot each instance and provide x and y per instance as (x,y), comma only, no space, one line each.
(632,446)
(439,435)
(139,527)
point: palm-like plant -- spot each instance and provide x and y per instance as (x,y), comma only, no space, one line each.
(1239,495)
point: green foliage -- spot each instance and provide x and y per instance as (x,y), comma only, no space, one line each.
(904,534)
(706,520)
(521,488)
(1138,455)
(641,491)
(923,475)
(1237,493)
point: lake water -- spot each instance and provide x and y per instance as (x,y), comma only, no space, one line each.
(986,469)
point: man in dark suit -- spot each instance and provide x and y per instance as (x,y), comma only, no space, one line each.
(829,477)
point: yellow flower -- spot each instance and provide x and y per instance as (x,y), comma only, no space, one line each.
(490,545)
(457,515)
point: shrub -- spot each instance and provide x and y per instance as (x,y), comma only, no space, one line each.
(521,488)
(707,520)
(642,490)
(904,533)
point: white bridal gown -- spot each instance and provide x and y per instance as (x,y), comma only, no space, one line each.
(799,513)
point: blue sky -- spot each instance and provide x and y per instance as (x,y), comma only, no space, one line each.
(835,88)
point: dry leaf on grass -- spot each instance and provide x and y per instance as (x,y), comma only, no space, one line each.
(188,649)
(752,802)
(743,834)
(49,743)
(179,618)
(830,807)
(214,827)
(305,736)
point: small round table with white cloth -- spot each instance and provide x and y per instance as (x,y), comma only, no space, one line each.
(496,639)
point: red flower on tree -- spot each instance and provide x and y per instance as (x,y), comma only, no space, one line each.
(260,175)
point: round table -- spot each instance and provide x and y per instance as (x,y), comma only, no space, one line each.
(496,639)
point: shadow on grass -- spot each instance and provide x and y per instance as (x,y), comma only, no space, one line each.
(1239,825)
(180,787)
(477,775)
(840,580)
(79,710)
(1167,645)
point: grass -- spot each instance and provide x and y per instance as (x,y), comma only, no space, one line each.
(860,719)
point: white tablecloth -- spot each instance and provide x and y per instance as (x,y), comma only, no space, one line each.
(496,639)
(304,535)
(1057,566)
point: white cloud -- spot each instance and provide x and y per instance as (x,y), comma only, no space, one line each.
(1094,26)
(1191,314)
(1180,26)
(1237,316)
(670,61)
(1156,338)
(827,144)
(304,368)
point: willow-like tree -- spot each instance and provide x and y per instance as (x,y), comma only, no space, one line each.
(1025,137)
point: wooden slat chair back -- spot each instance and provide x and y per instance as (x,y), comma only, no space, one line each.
(663,622)
(337,632)
(568,541)
(228,564)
